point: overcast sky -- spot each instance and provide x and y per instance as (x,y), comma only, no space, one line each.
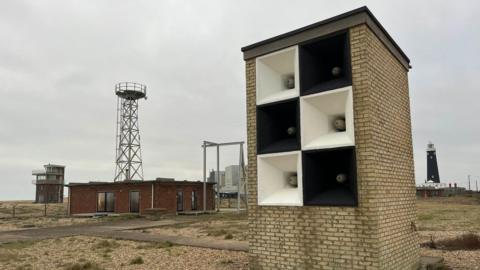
(59,62)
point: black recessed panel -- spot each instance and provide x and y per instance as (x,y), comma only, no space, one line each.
(274,127)
(325,64)
(320,171)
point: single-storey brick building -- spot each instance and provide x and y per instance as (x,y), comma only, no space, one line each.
(163,194)
(431,189)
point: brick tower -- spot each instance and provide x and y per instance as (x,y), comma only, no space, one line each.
(330,172)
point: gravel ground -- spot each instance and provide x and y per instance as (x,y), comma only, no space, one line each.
(449,217)
(65,253)
(440,218)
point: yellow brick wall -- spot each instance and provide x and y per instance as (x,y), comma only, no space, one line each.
(393,156)
(378,234)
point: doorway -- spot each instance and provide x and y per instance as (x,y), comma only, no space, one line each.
(179,201)
(134,201)
(194,200)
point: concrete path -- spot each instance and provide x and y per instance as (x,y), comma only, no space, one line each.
(121,230)
(179,240)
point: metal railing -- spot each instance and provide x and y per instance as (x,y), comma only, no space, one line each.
(47,182)
(130,86)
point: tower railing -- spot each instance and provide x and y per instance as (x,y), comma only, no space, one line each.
(140,90)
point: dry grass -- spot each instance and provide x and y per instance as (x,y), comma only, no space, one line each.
(137,260)
(12,253)
(30,209)
(155,245)
(30,215)
(106,244)
(229,226)
(10,224)
(459,213)
(83,266)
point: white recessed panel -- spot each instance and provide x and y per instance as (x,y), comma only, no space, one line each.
(273,73)
(274,172)
(318,113)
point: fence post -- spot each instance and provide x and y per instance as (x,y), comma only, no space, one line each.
(13,210)
(45,211)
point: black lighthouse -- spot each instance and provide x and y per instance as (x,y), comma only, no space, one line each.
(432,166)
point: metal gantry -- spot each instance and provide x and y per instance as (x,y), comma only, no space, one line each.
(242,185)
(128,151)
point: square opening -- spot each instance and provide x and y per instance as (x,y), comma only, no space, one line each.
(329,177)
(277,76)
(327,119)
(278,128)
(325,64)
(280,179)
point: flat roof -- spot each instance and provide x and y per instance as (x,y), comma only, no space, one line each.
(340,22)
(135,182)
(54,165)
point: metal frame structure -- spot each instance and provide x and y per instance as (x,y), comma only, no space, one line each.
(128,151)
(241,185)
(476,181)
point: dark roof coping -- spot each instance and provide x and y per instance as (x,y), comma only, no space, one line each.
(340,22)
(97,183)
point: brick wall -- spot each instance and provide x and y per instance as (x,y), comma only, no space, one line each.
(378,234)
(391,146)
(165,196)
(83,198)
(48,193)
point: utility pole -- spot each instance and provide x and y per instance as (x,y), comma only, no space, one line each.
(476,185)
(469,182)
(204,176)
(218,178)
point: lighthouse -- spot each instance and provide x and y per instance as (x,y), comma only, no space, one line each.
(432,166)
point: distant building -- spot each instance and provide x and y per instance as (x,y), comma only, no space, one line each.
(212,178)
(432,165)
(232,178)
(49,184)
(432,189)
(232,175)
(229,180)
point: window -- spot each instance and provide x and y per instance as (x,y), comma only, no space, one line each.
(105,202)
(194,200)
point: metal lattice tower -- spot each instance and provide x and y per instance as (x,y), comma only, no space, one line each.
(128,151)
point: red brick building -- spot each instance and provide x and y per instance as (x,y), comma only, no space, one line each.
(136,196)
